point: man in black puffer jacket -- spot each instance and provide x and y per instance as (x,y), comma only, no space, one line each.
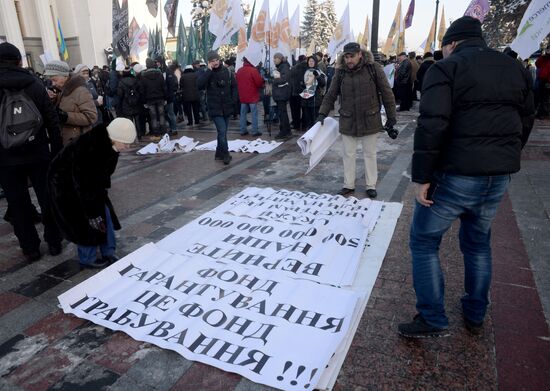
(221,95)
(30,160)
(476,114)
(154,92)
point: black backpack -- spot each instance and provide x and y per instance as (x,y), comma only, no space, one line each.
(20,120)
(132,95)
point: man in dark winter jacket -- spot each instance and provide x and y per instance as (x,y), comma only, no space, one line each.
(281,94)
(359,81)
(190,95)
(171,89)
(28,161)
(427,62)
(153,88)
(297,86)
(476,114)
(403,81)
(129,93)
(221,94)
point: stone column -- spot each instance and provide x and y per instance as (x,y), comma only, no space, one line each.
(47,30)
(11,24)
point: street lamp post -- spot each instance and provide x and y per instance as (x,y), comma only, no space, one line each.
(374,33)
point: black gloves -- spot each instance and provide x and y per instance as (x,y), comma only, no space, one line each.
(390,123)
(321,119)
(63,116)
(98,223)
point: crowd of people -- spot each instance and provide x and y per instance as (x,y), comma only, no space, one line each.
(477,109)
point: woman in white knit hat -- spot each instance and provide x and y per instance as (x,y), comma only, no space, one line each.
(76,108)
(78,180)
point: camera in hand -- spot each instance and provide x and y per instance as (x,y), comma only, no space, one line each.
(392,132)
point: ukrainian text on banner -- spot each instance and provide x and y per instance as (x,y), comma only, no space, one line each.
(534,27)
(279,332)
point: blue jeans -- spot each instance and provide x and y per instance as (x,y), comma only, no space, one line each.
(169,111)
(88,254)
(474,200)
(253,112)
(222,124)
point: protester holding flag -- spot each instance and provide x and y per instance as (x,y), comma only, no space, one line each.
(221,92)
(359,81)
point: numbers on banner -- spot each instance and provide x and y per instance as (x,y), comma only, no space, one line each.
(299,372)
(215,223)
(341,240)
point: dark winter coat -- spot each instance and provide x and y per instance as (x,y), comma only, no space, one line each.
(360,105)
(249,81)
(476,113)
(189,87)
(297,78)
(404,72)
(321,83)
(426,64)
(171,85)
(221,91)
(124,89)
(153,86)
(78,179)
(16,78)
(281,85)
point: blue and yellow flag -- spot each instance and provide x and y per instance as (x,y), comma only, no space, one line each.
(64,53)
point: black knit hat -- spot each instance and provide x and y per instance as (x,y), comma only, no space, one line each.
(9,52)
(212,55)
(462,28)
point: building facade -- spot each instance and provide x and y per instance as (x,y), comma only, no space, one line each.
(32,26)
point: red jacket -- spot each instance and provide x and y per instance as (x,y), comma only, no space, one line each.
(543,67)
(249,82)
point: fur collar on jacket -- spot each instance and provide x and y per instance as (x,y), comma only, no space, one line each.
(73,83)
(368,58)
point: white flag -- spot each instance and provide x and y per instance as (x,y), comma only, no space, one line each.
(295,23)
(140,41)
(341,35)
(224,20)
(255,53)
(284,30)
(534,27)
(274,32)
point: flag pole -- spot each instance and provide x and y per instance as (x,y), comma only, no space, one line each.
(435,29)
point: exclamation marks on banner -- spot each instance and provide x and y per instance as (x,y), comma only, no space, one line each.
(299,371)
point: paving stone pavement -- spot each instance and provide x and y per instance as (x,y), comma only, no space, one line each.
(43,349)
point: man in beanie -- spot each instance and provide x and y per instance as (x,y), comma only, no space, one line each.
(359,81)
(476,114)
(281,93)
(29,161)
(221,93)
(78,180)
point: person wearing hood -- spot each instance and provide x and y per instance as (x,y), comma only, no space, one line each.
(249,82)
(75,104)
(362,86)
(281,94)
(221,93)
(313,84)
(30,160)
(153,88)
(78,179)
(190,95)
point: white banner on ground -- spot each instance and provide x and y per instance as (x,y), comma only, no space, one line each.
(244,287)
(277,332)
(165,145)
(238,145)
(318,140)
(534,27)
